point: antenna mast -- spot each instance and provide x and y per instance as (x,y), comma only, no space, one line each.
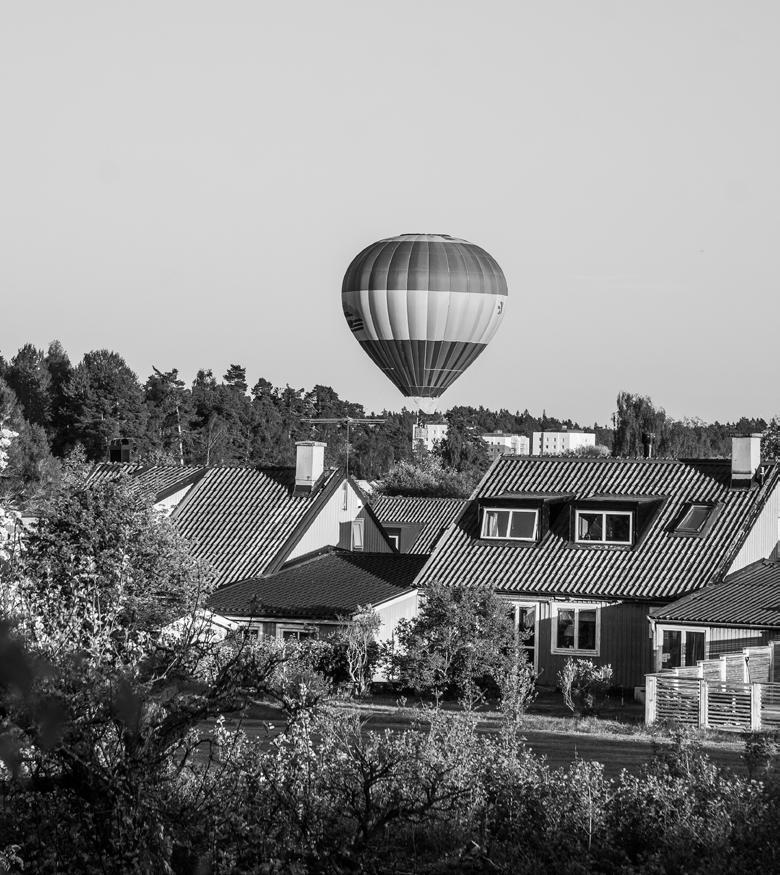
(344,420)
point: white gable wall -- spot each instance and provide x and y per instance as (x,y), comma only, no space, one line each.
(763,537)
(324,530)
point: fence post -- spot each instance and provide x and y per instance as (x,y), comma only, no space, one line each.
(755,707)
(650,699)
(704,701)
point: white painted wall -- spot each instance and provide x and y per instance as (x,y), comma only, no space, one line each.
(403,607)
(763,537)
(324,530)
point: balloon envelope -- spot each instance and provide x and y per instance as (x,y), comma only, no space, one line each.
(423,307)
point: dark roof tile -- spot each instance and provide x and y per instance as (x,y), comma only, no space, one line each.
(661,566)
(321,586)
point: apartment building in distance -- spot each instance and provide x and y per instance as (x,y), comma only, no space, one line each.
(557,443)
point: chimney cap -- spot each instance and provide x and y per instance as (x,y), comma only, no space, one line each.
(310,444)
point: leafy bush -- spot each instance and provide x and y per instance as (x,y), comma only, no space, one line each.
(461,641)
(584,685)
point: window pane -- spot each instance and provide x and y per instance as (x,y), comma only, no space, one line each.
(528,626)
(587,630)
(694,647)
(694,519)
(496,524)
(565,635)
(523,525)
(357,534)
(670,651)
(589,527)
(617,527)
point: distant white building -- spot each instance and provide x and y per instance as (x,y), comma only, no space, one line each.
(429,435)
(555,443)
(500,443)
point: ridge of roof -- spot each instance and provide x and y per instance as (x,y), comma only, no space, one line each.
(659,567)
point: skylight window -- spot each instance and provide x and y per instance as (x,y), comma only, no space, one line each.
(604,526)
(515,525)
(694,519)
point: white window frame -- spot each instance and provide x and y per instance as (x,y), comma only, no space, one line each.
(604,513)
(510,510)
(395,539)
(357,525)
(537,606)
(660,628)
(576,607)
(311,630)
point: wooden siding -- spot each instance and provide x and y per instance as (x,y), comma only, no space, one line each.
(624,643)
(624,640)
(763,537)
(326,529)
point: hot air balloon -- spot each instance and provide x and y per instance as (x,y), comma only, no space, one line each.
(423,307)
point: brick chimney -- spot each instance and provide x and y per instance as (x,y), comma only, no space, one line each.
(309,464)
(745,458)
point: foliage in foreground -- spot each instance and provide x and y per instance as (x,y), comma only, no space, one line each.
(114,757)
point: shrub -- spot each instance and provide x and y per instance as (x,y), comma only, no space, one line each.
(584,685)
(461,641)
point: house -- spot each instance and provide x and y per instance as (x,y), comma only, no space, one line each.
(246,521)
(313,594)
(584,549)
(414,525)
(741,611)
(554,443)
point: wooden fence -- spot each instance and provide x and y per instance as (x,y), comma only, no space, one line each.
(712,703)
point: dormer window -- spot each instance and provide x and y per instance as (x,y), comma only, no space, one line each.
(512,524)
(694,519)
(604,527)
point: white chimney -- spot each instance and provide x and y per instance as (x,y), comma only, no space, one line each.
(745,458)
(309,463)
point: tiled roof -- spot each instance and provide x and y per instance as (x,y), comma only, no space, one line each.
(239,520)
(749,597)
(324,585)
(661,566)
(158,481)
(434,515)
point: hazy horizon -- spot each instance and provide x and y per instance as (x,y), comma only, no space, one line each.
(186,183)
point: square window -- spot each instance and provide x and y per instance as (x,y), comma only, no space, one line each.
(589,527)
(577,630)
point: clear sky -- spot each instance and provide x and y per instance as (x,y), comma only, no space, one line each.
(186,182)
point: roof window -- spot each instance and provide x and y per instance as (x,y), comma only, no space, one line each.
(514,525)
(694,519)
(604,527)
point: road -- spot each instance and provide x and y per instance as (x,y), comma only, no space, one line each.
(615,752)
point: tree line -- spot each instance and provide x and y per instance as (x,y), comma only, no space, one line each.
(55,406)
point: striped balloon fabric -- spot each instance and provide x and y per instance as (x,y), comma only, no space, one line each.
(423,306)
